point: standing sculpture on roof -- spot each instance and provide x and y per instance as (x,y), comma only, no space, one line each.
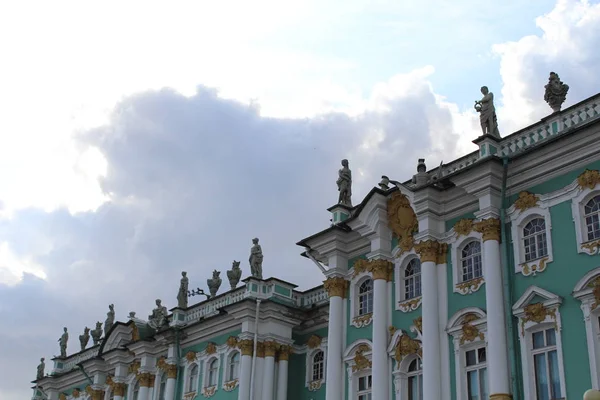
(256,259)
(344,184)
(487,113)
(234,274)
(62,342)
(214,283)
(556,92)
(158,319)
(40,369)
(85,338)
(182,295)
(97,333)
(110,319)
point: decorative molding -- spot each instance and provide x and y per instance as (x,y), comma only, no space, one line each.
(134,367)
(534,267)
(315,385)
(362,320)
(402,220)
(463,227)
(336,286)
(489,229)
(231,385)
(189,396)
(271,348)
(246,347)
(171,370)
(470,286)
(360,361)
(470,332)
(537,313)
(410,305)
(379,269)
(260,349)
(284,352)
(76,393)
(314,342)
(418,322)
(360,266)
(405,346)
(211,348)
(526,201)
(392,329)
(588,179)
(442,256)
(232,342)
(209,391)
(191,356)
(428,250)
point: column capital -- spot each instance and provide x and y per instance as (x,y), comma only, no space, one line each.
(171,370)
(246,347)
(442,256)
(489,229)
(119,389)
(144,378)
(381,269)
(336,286)
(260,349)
(95,394)
(271,348)
(500,396)
(284,352)
(428,250)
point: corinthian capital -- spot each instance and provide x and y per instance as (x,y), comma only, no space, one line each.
(428,250)
(336,286)
(489,229)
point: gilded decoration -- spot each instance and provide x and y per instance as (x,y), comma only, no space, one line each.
(145,379)
(62,396)
(161,363)
(381,269)
(361,265)
(76,393)
(402,220)
(109,381)
(95,394)
(591,247)
(229,386)
(418,324)
(410,305)
(526,201)
(314,341)
(134,367)
(336,286)
(119,389)
(271,348)
(171,370)
(232,342)
(209,391)
(537,313)
(260,349)
(470,286)
(246,347)
(428,250)
(588,179)
(595,285)
(135,332)
(284,352)
(442,256)
(189,396)
(405,346)
(470,332)
(360,361)
(501,396)
(463,227)
(362,320)
(211,348)
(392,329)
(152,378)
(489,229)
(190,356)
(315,385)
(533,269)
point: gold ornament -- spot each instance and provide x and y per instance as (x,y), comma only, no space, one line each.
(442,257)
(145,379)
(314,341)
(588,179)
(284,352)
(336,286)
(171,370)
(362,320)
(410,305)
(392,329)
(470,286)
(526,201)
(361,265)
(119,389)
(190,356)
(246,347)
(135,332)
(271,348)
(381,269)
(489,229)
(62,396)
(260,349)
(405,346)
(161,363)
(229,386)
(428,250)
(232,342)
(76,393)
(211,348)
(470,332)
(418,324)
(360,361)
(463,227)
(402,220)
(595,285)
(134,367)
(537,313)
(501,396)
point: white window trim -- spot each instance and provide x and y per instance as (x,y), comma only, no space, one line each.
(349,361)
(206,389)
(310,353)
(157,377)
(187,371)
(585,293)
(359,321)
(400,376)
(589,247)
(131,381)
(227,383)
(518,222)
(405,305)
(455,330)
(457,246)
(552,303)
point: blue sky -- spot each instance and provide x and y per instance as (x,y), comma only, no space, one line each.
(140,138)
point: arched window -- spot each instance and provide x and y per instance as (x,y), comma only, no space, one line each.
(318,365)
(213,373)
(136,390)
(471,261)
(233,367)
(162,388)
(412,279)
(475,364)
(192,385)
(415,380)
(365,297)
(592,218)
(534,239)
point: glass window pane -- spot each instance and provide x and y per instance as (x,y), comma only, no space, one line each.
(481,355)
(550,337)
(483,382)
(538,340)
(473,385)
(541,377)
(554,379)
(471,358)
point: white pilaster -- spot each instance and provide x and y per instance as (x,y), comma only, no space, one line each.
(245,374)
(269,374)
(143,394)
(170,389)
(336,288)
(381,374)
(282,379)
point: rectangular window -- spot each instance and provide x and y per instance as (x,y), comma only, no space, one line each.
(475,363)
(545,363)
(364,387)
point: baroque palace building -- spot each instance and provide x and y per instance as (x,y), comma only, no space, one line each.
(478,279)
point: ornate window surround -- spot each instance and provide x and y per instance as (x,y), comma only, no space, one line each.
(359,321)
(400,263)
(587,291)
(357,353)
(534,317)
(468,329)
(228,384)
(157,382)
(206,388)
(583,245)
(459,242)
(311,350)
(526,208)
(131,382)
(400,370)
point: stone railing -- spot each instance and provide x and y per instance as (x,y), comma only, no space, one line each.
(210,306)
(315,296)
(71,362)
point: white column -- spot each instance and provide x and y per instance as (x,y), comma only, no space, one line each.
(259,373)
(143,393)
(336,288)
(381,270)
(269,373)
(432,377)
(171,382)
(282,373)
(246,347)
(151,387)
(497,351)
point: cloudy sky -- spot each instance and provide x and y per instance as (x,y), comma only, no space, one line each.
(142,138)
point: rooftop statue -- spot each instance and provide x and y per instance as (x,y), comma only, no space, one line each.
(256,259)
(556,92)
(62,342)
(110,319)
(40,369)
(214,283)
(234,274)
(158,319)
(85,338)
(182,295)
(487,113)
(97,333)
(344,184)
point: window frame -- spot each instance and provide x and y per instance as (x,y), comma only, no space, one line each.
(160,381)
(228,382)
(578,203)
(188,376)
(473,285)
(584,292)
(401,375)
(309,383)
(357,320)
(353,376)
(519,219)
(402,304)
(208,363)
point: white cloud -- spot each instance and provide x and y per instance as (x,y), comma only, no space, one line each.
(13,267)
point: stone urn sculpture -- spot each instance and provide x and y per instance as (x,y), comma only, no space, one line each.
(234,274)
(85,338)
(214,283)
(97,333)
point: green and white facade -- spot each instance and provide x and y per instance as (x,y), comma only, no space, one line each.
(479,279)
